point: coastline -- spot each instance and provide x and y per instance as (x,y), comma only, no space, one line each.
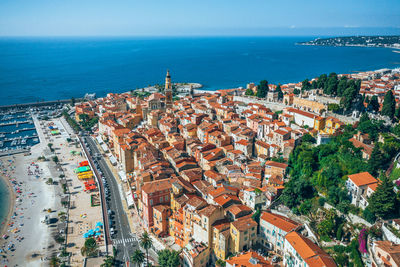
(11,205)
(350,45)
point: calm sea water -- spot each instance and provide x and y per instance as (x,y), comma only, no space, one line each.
(5,200)
(33,69)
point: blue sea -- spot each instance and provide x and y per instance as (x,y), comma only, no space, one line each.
(5,200)
(34,69)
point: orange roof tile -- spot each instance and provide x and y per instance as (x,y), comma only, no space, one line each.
(313,255)
(280,221)
(362,178)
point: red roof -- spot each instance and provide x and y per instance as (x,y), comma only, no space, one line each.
(362,178)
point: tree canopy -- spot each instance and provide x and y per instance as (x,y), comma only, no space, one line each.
(383,202)
(389,105)
(262,89)
(89,249)
(168,258)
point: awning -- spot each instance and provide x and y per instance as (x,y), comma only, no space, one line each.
(104,147)
(99,139)
(122,175)
(113,160)
(129,198)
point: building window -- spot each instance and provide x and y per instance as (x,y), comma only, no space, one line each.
(161,199)
(151,202)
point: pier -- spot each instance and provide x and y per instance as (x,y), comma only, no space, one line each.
(18,131)
(15,123)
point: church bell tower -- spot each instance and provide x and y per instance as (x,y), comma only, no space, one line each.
(168,91)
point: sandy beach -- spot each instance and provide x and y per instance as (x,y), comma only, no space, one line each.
(11,205)
(26,239)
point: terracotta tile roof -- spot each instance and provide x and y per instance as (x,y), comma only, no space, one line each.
(276,164)
(279,221)
(303,113)
(392,249)
(196,202)
(208,211)
(243,142)
(367,149)
(223,199)
(161,208)
(249,259)
(313,255)
(159,185)
(238,208)
(244,223)
(362,178)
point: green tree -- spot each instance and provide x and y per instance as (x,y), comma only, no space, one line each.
(397,113)
(146,242)
(373,103)
(314,84)
(333,107)
(342,85)
(262,89)
(137,257)
(383,202)
(90,247)
(55,159)
(369,215)
(322,80)
(279,90)
(108,262)
(308,138)
(305,85)
(376,161)
(72,101)
(54,261)
(389,105)
(168,258)
(396,130)
(249,92)
(84,118)
(349,95)
(331,84)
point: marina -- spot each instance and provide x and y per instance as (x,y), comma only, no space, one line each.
(17,131)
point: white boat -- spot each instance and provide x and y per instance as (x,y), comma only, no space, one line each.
(14,143)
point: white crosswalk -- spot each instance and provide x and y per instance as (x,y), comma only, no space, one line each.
(125,240)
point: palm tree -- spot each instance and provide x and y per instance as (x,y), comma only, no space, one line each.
(137,257)
(108,262)
(54,262)
(89,249)
(146,242)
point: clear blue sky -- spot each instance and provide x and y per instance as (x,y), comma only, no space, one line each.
(204,17)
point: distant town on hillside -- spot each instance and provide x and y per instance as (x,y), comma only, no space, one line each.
(370,41)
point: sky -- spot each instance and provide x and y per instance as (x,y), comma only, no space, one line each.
(204,17)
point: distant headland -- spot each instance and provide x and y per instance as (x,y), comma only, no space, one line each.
(366,41)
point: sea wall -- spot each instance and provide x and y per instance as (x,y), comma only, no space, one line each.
(39,104)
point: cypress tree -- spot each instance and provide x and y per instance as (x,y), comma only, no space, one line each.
(383,202)
(262,89)
(279,90)
(389,105)
(374,104)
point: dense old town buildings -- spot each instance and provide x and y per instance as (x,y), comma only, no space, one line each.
(201,166)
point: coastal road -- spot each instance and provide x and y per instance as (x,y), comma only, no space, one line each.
(123,240)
